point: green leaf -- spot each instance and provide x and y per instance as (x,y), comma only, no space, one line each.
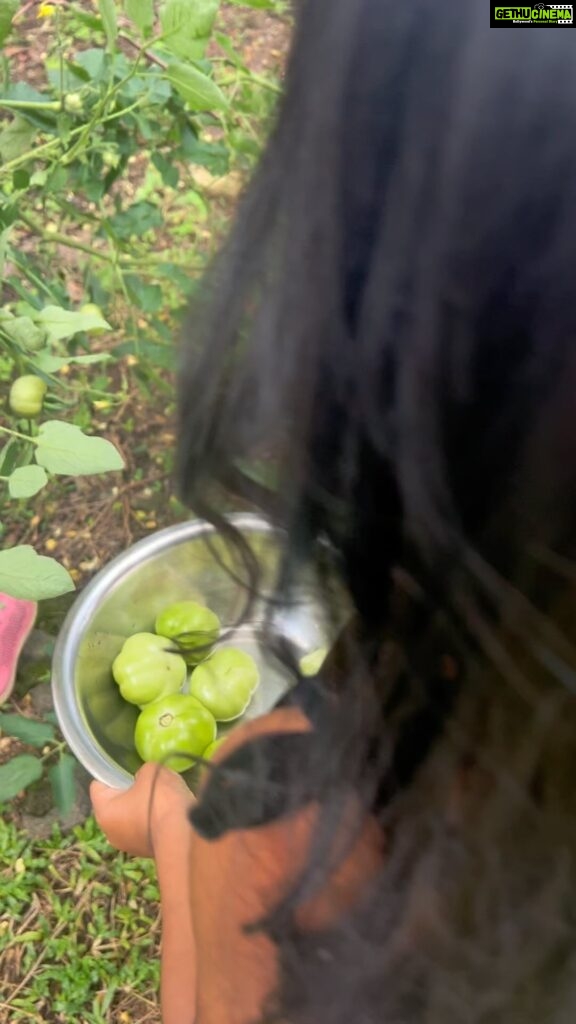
(186,26)
(8,213)
(196,89)
(156,353)
(141,12)
(20,179)
(8,9)
(86,19)
(68,77)
(214,156)
(4,248)
(93,62)
(234,58)
(63,323)
(30,576)
(62,448)
(107,10)
(10,456)
(49,363)
(147,297)
(37,734)
(168,170)
(24,332)
(136,220)
(63,782)
(35,114)
(26,481)
(17,774)
(25,93)
(16,139)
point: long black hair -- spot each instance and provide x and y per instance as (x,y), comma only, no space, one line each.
(394,319)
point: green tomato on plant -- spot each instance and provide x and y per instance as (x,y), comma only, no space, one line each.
(225,683)
(91,309)
(110,158)
(73,103)
(190,625)
(173,731)
(148,669)
(27,395)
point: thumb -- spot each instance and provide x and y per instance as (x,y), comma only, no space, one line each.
(100,794)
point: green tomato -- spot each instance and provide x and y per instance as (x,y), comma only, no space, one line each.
(312,662)
(209,754)
(173,731)
(147,669)
(110,158)
(211,750)
(27,395)
(225,683)
(91,309)
(73,103)
(192,626)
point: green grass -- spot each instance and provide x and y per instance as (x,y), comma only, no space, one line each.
(79,931)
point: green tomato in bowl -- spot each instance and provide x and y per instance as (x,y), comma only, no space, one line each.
(209,754)
(225,683)
(148,669)
(174,731)
(214,746)
(312,662)
(192,626)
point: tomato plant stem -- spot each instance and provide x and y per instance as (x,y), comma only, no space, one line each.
(15,433)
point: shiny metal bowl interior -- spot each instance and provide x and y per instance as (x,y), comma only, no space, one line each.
(124,598)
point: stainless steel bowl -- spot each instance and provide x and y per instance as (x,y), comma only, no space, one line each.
(124,598)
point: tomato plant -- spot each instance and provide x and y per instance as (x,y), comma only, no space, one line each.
(173,731)
(126,84)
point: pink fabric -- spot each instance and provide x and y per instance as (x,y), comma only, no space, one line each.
(16,620)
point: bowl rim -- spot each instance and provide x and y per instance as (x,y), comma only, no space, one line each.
(71,722)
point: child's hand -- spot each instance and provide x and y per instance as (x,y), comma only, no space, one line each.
(134,820)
